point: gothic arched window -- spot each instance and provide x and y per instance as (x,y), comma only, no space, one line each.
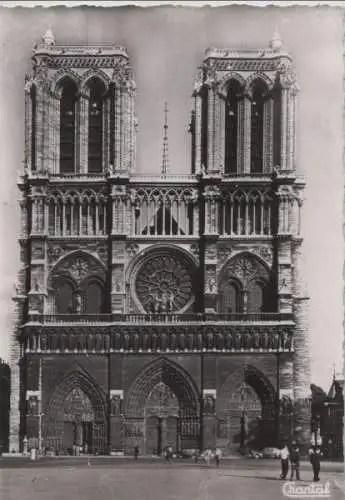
(257,297)
(64,295)
(257,127)
(230,298)
(94,298)
(95,149)
(231,126)
(68,127)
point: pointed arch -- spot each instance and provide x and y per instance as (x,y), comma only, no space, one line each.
(76,284)
(91,74)
(259,95)
(224,82)
(96,90)
(172,375)
(54,427)
(68,128)
(56,83)
(232,114)
(262,78)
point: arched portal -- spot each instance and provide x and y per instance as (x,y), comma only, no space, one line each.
(245,410)
(161,409)
(75,416)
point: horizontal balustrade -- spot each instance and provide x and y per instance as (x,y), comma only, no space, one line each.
(161,318)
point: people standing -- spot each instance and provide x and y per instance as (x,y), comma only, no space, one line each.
(284,460)
(217,455)
(136,452)
(295,461)
(315,459)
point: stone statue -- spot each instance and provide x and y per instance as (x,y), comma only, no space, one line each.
(116,405)
(244,429)
(33,405)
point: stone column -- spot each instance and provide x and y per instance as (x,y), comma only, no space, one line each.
(218,132)
(221,135)
(55,133)
(301,342)
(40,103)
(268,134)
(116,419)
(15,361)
(209,420)
(291,128)
(106,105)
(244,132)
(117,128)
(28,126)
(198,107)
(284,128)
(83,152)
(210,127)
(46,140)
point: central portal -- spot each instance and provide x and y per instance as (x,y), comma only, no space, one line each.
(161,420)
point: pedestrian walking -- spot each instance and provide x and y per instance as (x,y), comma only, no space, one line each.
(136,452)
(315,459)
(295,461)
(284,460)
(217,455)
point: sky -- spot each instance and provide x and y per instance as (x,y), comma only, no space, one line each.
(166,45)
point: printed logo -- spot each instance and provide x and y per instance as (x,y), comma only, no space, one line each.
(296,490)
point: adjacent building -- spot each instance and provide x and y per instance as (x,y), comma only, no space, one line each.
(156,310)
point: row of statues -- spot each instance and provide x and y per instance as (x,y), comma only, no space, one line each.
(147,339)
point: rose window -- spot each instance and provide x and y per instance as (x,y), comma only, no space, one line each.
(164,284)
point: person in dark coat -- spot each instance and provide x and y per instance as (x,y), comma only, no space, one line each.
(136,452)
(315,458)
(295,461)
(284,458)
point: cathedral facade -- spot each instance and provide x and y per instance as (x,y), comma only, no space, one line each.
(159,310)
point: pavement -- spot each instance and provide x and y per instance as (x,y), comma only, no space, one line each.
(106,478)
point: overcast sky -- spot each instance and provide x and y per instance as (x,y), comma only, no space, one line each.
(166,45)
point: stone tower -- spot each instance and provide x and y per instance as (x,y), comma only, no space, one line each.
(159,310)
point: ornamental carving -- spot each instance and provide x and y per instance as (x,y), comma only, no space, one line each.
(245,64)
(244,269)
(224,253)
(37,252)
(164,283)
(265,253)
(194,248)
(79,269)
(152,338)
(132,249)
(211,192)
(162,402)
(211,252)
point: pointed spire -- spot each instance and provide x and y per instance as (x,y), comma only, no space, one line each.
(48,38)
(276,41)
(165,152)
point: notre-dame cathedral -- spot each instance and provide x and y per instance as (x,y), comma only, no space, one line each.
(159,310)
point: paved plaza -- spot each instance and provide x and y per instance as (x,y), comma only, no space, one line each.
(68,479)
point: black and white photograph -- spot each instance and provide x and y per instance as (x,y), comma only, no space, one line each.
(172,250)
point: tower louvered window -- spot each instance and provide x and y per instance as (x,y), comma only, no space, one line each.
(68,127)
